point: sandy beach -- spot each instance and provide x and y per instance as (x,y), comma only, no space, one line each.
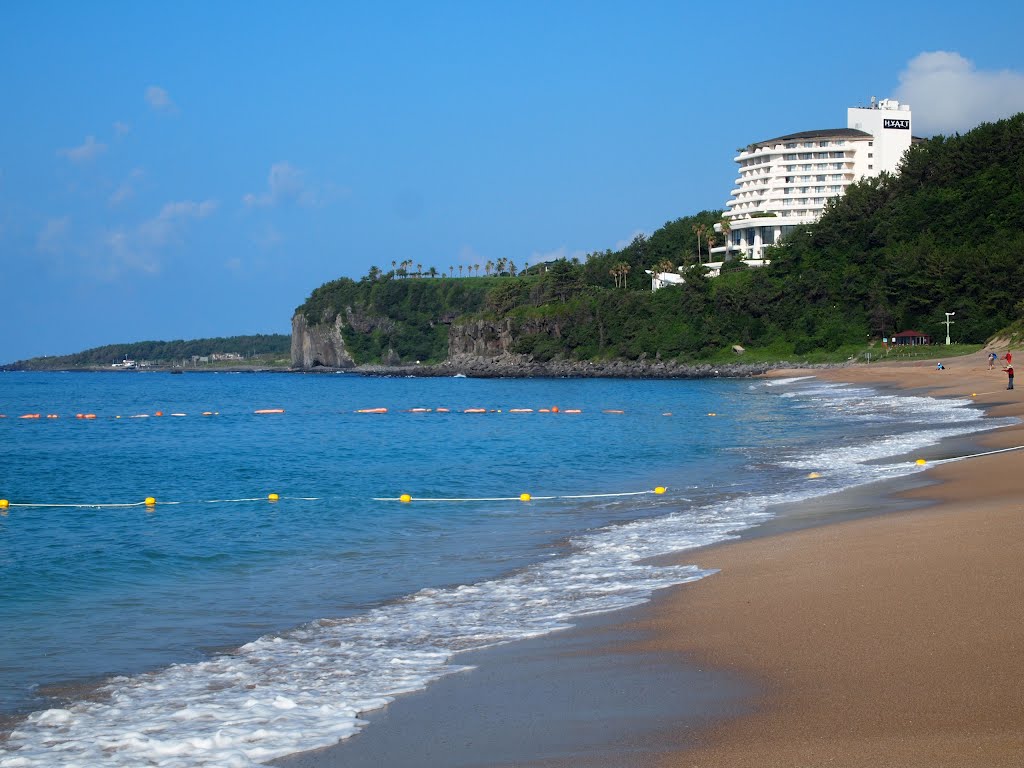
(861,629)
(896,640)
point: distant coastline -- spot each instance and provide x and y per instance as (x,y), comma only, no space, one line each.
(511,367)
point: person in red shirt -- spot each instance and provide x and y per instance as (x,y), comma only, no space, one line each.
(1008,357)
(1009,376)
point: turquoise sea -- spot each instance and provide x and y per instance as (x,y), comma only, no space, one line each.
(220,628)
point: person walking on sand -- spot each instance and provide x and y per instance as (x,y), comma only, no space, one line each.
(1009,376)
(992,357)
(1008,357)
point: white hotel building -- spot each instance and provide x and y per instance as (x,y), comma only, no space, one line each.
(786,181)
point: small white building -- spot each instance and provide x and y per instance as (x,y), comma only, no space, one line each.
(786,181)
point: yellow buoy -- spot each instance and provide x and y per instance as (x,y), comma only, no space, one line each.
(920,462)
(405,498)
(524,497)
(273,497)
(4,503)
(974,394)
(150,501)
(659,490)
(712,414)
(813,476)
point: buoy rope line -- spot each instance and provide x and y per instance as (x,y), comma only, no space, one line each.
(977,455)
(522,497)
(151,501)
(375,411)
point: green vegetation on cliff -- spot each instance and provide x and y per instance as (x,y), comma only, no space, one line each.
(894,253)
(263,349)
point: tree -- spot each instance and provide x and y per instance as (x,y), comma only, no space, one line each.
(419,270)
(699,230)
(433,271)
(460,270)
(726,229)
(512,268)
(451,271)
(488,267)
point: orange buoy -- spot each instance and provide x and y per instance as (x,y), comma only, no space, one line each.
(554,409)
(159,413)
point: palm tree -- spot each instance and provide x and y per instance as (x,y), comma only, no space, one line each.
(711,241)
(725,228)
(394,265)
(477,268)
(488,267)
(433,271)
(625,273)
(614,272)
(451,271)
(699,230)
(512,268)
(501,265)
(419,270)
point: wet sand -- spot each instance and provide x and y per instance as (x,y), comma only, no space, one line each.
(895,640)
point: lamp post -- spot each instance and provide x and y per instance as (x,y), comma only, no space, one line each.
(948,321)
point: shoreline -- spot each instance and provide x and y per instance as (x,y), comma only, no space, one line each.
(893,640)
(680,623)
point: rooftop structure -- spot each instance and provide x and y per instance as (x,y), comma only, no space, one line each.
(786,181)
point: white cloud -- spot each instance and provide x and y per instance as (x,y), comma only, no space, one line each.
(84,152)
(53,237)
(139,249)
(285,184)
(948,94)
(160,100)
(166,226)
(126,189)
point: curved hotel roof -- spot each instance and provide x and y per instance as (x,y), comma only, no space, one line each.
(824,133)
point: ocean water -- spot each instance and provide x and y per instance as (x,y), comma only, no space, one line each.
(220,628)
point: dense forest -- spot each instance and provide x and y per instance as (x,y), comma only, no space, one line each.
(894,253)
(263,347)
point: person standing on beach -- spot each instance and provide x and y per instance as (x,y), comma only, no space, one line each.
(1009,375)
(992,357)
(1008,357)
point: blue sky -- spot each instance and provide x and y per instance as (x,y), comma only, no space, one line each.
(183,170)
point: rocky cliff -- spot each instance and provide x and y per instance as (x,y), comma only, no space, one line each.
(319,345)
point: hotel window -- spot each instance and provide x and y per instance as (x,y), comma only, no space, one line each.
(822,143)
(819,178)
(871,143)
(871,154)
(871,167)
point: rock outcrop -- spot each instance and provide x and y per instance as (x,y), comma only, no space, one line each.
(319,346)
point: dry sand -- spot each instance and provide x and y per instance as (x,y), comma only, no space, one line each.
(895,640)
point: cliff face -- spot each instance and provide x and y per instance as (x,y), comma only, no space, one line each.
(480,338)
(319,345)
